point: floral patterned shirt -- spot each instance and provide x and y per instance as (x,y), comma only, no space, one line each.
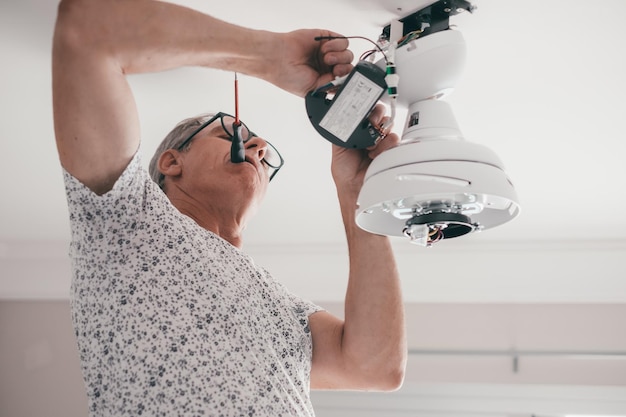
(172,320)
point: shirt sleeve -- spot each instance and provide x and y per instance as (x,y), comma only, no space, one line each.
(301,307)
(78,194)
(95,218)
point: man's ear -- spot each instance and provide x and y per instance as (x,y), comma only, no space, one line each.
(170,163)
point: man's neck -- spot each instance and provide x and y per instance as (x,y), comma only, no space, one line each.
(225,223)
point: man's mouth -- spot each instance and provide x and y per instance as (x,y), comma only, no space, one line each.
(254,163)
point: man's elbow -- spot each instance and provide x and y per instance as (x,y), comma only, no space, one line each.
(76,27)
(67,31)
(69,13)
(391,379)
(393,369)
(387,376)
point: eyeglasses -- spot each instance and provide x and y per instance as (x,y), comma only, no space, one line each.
(272,157)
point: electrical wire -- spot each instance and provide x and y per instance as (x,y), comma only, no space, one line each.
(365,55)
(392,79)
(392,116)
(409,37)
(439,235)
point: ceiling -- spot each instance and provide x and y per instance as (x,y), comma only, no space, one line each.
(543,87)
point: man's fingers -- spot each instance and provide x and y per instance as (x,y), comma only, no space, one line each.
(388,142)
(340,70)
(335,45)
(377,115)
(378,118)
(337,58)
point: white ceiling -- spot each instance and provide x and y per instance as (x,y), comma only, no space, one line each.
(544,88)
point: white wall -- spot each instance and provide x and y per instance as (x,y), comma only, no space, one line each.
(41,377)
(473,271)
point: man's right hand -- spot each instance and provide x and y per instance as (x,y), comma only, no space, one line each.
(307,63)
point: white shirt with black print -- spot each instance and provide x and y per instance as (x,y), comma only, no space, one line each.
(172,320)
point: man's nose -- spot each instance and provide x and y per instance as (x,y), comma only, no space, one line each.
(258,145)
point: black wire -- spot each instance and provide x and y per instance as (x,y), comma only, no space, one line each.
(320,38)
(367,54)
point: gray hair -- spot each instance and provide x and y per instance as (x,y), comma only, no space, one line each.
(172,141)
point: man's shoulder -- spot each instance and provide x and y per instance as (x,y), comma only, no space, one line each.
(133,196)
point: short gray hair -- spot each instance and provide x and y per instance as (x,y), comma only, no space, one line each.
(172,141)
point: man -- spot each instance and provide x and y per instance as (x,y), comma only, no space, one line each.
(171,317)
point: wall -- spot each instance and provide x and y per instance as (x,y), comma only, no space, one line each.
(446,374)
(473,270)
(40,374)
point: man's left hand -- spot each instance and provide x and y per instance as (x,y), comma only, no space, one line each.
(349,165)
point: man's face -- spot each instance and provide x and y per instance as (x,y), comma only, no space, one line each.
(208,171)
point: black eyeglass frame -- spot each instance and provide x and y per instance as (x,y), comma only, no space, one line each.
(251,135)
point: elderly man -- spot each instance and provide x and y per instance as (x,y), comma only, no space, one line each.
(171,317)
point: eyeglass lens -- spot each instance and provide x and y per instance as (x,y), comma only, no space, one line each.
(272,157)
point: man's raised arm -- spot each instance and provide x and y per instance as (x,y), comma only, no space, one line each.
(97,42)
(368,349)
